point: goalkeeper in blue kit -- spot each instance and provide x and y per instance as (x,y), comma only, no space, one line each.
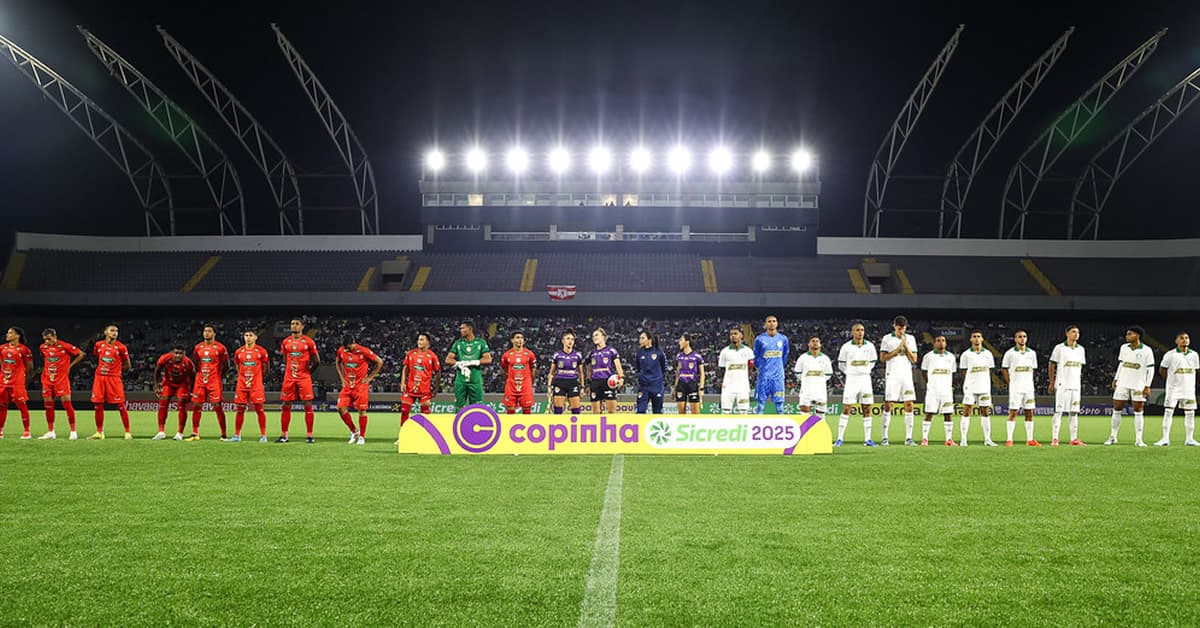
(770,355)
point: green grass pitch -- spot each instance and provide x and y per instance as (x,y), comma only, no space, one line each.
(154,533)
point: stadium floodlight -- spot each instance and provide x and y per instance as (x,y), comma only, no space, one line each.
(720,160)
(435,160)
(639,159)
(559,160)
(517,160)
(599,160)
(476,160)
(679,160)
(761,162)
(801,160)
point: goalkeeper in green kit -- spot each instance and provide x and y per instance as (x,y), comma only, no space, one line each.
(468,354)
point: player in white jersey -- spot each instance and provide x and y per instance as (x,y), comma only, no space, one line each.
(856,359)
(1066,382)
(977,363)
(898,350)
(1019,364)
(813,369)
(939,390)
(736,359)
(1135,373)
(1179,369)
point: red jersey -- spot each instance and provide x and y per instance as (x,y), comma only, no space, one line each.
(12,364)
(56,361)
(518,365)
(210,359)
(176,373)
(112,357)
(297,353)
(251,366)
(422,367)
(357,363)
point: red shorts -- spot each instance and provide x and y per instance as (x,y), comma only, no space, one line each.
(417,397)
(12,393)
(175,391)
(60,388)
(355,396)
(512,398)
(294,389)
(108,389)
(210,392)
(242,395)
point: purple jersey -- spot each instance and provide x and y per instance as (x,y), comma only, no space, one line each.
(602,362)
(566,365)
(689,366)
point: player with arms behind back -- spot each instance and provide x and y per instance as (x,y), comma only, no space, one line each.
(16,360)
(939,390)
(520,370)
(856,359)
(1019,364)
(566,376)
(771,350)
(353,362)
(1135,373)
(1066,382)
(689,377)
(421,367)
(58,358)
(1179,370)
(300,359)
(174,373)
(112,358)
(814,369)
(651,372)
(250,360)
(737,359)
(976,364)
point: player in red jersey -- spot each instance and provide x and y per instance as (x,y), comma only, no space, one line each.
(212,360)
(417,377)
(173,376)
(520,368)
(58,358)
(353,360)
(251,362)
(112,358)
(15,361)
(300,359)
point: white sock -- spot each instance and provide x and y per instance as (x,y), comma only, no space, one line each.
(1055,425)
(986,422)
(1028,429)
(1116,423)
(887,422)
(1138,424)
(925,429)
(1011,425)
(1074,421)
(1168,415)
(949,425)
(867,427)
(964,426)
(1189,424)
(908,426)
(842,422)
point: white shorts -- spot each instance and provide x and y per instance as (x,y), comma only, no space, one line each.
(1022,400)
(735,395)
(939,402)
(1183,399)
(1066,400)
(971,398)
(1122,393)
(899,389)
(858,390)
(815,399)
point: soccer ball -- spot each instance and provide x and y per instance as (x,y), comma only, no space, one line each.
(614,381)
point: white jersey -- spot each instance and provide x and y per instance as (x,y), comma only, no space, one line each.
(1020,365)
(1069,361)
(978,365)
(857,360)
(814,371)
(1135,367)
(1181,370)
(898,366)
(736,363)
(939,371)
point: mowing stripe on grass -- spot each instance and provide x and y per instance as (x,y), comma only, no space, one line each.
(599,606)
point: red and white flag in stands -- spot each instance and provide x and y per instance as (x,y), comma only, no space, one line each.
(560,292)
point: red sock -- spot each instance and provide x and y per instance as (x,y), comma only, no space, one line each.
(3,418)
(262,419)
(345,414)
(425,408)
(510,411)
(405,408)
(362,425)
(70,413)
(527,410)
(309,419)
(182,416)
(124,415)
(24,409)
(238,420)
(285,419)
(163,404)
(221,419)
(196,419)
(50,415)
(99,418)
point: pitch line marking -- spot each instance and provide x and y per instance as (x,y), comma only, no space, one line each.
(599,607)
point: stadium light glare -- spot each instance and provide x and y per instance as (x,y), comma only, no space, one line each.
(476,160)
(761,161)
(599,160)
(801,160)
(517,160)
(435,160)
(679,160)
(639,159)
(559,160)
(720,160)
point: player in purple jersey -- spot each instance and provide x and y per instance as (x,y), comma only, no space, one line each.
(603,362)
(566,374)
(689,378)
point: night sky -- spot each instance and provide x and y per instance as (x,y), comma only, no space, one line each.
(829,75)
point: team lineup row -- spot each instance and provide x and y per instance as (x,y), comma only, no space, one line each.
(197,379)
